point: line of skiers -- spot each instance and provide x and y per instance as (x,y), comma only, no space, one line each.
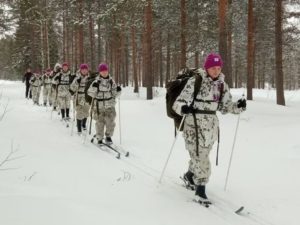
(202,96)
(93,94)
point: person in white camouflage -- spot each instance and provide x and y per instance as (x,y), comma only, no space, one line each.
(214,95)
(53,94)
(47,83)
(104,92)
(81,106)
(63,81)
(36,84)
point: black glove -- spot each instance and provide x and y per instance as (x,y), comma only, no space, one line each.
(119,88)
(185,109)
(78,80)
(96,84)
(241,103)
(56,78)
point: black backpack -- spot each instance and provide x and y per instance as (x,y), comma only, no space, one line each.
(174,88)
(90,80)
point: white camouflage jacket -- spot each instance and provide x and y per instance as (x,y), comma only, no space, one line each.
(209,98)
(47,80)
(63,81)
(36,81)
(106,96)
(78,88)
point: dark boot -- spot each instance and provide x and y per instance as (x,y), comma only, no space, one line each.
(84,123)
(67,113)
(108,140)
(62,113)
(188,180)
(99,142)
(200,191)
(79,123)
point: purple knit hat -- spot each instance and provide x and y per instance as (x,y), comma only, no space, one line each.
(213,60)
(65,64)
(84,66)
(102,67)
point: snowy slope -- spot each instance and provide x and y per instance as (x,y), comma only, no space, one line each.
(58,180)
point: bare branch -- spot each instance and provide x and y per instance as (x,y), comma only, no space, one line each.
(4,111)
(10,157)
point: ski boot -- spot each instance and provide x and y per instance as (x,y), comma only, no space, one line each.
(201,196)
(108,140)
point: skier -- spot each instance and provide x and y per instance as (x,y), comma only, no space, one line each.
(201,125)
(104,92)
(62,80)
(36,85)
(26,78)
(53,94)
(47,82)
(82,107)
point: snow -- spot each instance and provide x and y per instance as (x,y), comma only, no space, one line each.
(56,179)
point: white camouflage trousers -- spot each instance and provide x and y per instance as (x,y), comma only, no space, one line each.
(64,102)
(36,94)
(105,120)
(47,94)
(198,164)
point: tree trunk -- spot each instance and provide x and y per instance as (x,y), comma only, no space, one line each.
(250,51)
(148,23)
(134,65)
(126,61)
(92,40)
(168,61)
(100,49)
(161,76)
(183,33)
(229,46)
(223,40)
(80,32)
(64,32)
(47,44)
(68,44)
(278,53)
(42,46)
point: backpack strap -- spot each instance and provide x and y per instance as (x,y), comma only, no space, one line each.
(198,83)
(97,104)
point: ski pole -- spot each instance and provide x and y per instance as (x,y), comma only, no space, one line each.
(91,116)
(171,149)
(72,126)
(120,130)
(232,150)
(90,122)
(73,104)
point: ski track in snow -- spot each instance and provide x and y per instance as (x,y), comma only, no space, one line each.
(56,179)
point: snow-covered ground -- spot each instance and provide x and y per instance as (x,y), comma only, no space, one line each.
(57,180)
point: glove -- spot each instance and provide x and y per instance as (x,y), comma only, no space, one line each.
(95,84)
(78,80)
(119,88)
(185,109)
(56,78)
(241,103)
